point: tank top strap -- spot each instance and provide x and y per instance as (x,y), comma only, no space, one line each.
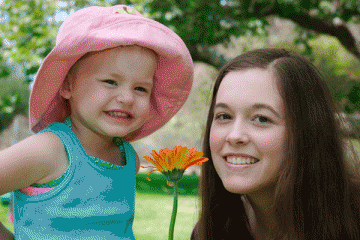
(130,155)
(74,148)
(68,138)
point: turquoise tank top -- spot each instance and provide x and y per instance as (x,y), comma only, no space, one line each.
(92,201)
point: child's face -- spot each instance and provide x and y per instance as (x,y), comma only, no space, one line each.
(247,132)
(109,92)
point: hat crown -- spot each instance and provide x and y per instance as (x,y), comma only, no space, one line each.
(92,18)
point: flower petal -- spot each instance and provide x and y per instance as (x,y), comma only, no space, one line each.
(147,177)
(173,163)
(147,166)
(197,162)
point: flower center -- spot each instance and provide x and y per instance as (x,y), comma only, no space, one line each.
(174,175)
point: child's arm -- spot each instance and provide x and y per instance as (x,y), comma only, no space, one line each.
(37,159)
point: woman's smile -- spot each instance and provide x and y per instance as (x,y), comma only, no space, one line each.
(236,160)
(247,132)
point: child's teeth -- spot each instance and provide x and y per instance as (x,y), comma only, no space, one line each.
(241,161)
(119,114)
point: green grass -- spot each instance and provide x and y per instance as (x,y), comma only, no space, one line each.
(152,216)
(153,213)
(3,217)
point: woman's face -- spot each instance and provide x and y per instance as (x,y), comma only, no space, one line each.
(247,132)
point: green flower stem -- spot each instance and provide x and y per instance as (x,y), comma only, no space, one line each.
(174,212)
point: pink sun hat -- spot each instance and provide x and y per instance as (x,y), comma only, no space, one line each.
(99,28)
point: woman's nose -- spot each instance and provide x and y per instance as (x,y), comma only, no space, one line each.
(238,134)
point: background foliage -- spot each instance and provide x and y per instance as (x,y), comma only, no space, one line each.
(325,31)
(187,186)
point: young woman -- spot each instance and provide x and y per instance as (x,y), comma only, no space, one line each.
(278,166)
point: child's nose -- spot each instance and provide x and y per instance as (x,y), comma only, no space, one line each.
(238,134)
(125,96)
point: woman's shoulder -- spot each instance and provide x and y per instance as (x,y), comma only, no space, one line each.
(195,232)
(355,190)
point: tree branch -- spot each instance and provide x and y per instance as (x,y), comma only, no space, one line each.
(341,32)
(300,16)
(305,20)
(203,54)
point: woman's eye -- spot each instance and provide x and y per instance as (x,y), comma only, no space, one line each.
(222,116)
(262,119)
(111,82)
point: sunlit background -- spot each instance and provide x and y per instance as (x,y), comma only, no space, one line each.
(327,32)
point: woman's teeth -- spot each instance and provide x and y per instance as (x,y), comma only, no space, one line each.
(241,161)
(119,114)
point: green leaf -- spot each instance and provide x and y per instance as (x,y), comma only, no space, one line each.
(354,94)
(4,71)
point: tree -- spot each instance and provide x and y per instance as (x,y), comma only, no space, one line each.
(200,23)
(28,29)
(205,23)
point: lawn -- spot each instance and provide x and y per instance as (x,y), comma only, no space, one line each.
(152,216)
(3,217)
(153,212)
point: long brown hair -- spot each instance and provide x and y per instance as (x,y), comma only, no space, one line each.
(316,197)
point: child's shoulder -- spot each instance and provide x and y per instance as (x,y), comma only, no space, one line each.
(33,160)
(40,146)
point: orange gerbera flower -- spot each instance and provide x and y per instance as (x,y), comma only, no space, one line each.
(173,163)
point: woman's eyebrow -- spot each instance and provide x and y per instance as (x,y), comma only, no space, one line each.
(255,106)
(266,106)
(221,105)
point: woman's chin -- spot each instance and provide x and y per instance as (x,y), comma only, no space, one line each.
(236,188)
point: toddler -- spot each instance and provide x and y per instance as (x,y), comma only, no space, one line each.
(113,77)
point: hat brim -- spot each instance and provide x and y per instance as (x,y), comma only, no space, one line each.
(172,80)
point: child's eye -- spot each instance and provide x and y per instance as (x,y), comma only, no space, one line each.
(222,116)
(111,82)
(141,89)
(262,119)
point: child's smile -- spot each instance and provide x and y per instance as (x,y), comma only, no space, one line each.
(120,115)
(109,92)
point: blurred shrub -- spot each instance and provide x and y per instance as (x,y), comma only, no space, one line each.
(340,69)
(8,105)
(5,199)
(14,95)
(187,185)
